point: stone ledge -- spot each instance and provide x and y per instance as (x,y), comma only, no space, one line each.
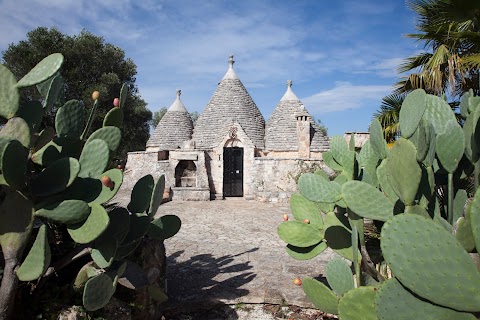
(190,194)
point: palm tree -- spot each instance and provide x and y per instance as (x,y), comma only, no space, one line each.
(450,30)
(388,115)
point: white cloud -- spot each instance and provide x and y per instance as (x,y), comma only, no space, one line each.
(345,96)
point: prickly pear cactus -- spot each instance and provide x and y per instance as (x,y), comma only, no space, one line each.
(62,176)
(422,194)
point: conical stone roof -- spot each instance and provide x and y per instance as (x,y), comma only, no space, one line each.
(281,128)
(230,101)
(174,128)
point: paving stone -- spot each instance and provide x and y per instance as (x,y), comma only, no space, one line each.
(215,257)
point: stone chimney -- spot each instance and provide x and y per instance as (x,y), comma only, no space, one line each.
(303,133)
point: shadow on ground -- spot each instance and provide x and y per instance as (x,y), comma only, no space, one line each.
(203,281)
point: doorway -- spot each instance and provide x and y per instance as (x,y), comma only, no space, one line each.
(233,172)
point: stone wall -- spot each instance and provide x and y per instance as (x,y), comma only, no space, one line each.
(275,179)
(142,163)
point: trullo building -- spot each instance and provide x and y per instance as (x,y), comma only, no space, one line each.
(231,151)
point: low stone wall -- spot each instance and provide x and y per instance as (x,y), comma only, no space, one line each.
(142,163)
(275,179)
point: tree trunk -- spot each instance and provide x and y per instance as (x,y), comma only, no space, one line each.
(8,289)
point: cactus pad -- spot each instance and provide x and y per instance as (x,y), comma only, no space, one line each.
(44,137)
(91,228)
(316,188)
(111,135)
(438,112)
(358,304)
(340,152)
(383,181)
(56,149)
(16,220)
(377,141)
(13,162)
(37,260)
(339,276)
(32,113)
(338,235)
(450,145)
(139,225)
(94,159)
(10,96)
(464,234)
(459,203)
(42,71)
(422,255)
(125,251)
(403,171)
(119,224)
(321,296)
(421,140)
(305,209)
(104,251)
(107,193)
(70,119)
(56,178)
(157,196)
(123,95)
(394,302)
(307,253)
(83,276)
(51,90)
(18,129)
(164,227)
(141,195)
(411,112)
(330,162)
(97,292)
(464,104)
(67,211)
(473,214)
(114,117)
(299,234)
(367,201)
(367,158)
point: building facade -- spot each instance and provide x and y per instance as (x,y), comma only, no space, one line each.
(231,151)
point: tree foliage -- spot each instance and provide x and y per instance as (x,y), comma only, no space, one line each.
(450,33)
(90,64)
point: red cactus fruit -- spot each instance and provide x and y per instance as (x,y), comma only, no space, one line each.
(306,221)
(116,102)
(285,217)
(107,182)
(297,281)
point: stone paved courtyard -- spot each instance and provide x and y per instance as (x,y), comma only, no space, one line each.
(228,251)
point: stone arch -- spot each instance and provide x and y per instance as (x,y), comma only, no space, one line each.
(186,174)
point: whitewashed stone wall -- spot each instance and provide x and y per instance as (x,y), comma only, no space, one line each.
(275,179)
(142,163)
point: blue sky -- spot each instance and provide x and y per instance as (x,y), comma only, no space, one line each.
(341,55)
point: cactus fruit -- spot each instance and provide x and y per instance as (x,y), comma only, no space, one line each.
(285,217)
(95,95)
(303,209)
(116,102)
(107,182)
(297,281)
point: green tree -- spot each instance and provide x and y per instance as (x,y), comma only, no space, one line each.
(388,115)
(450,33)
(194,115)
(90,64)
(157,116)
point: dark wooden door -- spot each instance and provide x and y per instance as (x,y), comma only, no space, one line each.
(233,172)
